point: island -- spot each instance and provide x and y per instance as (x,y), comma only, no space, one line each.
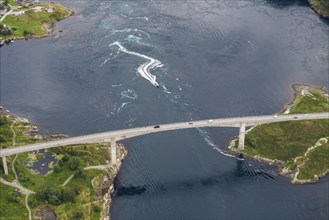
(23,19)
(71,182)
(300,148)
(321,7)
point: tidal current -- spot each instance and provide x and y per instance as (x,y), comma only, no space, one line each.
(211,59)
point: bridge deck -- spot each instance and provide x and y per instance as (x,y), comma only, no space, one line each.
(133,132)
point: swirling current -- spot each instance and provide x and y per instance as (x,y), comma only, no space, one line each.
(210,59)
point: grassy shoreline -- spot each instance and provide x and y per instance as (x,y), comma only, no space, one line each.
(32,23)
(300,148)
(69,189)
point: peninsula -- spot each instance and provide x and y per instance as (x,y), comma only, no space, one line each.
(300,148)
(23,19)
(75,182)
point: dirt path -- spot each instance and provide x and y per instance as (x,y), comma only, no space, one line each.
(16,182)
(13,145)
(18,186)
(99,167)
(68,180)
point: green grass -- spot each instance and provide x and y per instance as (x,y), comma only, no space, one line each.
(287,140)
(5,132)
(11,209)
(320,6)
(318,162)
(32,23)
(84,202)
(315,102)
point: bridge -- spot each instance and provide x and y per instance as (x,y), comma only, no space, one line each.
(112,137)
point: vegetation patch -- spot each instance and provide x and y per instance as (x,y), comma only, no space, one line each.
(293,142)
(12,203)
(320,6)
(31,22)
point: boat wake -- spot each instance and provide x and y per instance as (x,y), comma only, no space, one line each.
(214,146)
(143,69)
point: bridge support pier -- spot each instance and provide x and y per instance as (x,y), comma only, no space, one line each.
(113,155)
(242,134)
(4,163)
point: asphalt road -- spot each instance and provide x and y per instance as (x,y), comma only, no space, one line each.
(132,132)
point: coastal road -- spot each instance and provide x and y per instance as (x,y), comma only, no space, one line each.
(133,132)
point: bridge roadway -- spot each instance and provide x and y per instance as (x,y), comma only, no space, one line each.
(113,136)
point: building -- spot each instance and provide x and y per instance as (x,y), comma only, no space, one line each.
(38,8)
(50,9)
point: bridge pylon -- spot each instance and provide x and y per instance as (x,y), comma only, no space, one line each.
(242,134)
(4,163)
(113,149)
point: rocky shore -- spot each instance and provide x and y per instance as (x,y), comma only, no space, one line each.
(107,198)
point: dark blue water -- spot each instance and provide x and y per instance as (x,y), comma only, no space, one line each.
(220,59)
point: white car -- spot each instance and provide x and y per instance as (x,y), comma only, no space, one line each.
(210,121)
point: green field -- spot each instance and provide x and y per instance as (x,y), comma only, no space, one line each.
(289,141)
(12,204)
(32,23)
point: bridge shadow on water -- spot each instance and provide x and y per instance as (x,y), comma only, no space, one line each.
(243,171)
(287,3)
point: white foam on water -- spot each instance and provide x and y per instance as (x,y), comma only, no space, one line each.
(128,30)
(130,94)
(122,105)
(214,146)
(144,69)
(165,89)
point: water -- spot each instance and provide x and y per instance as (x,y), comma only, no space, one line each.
(219,59)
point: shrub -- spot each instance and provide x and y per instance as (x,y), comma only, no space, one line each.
(74,163)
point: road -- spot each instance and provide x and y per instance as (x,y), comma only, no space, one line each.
(133,132)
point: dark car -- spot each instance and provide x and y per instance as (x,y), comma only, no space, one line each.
(157,126)
(295,117)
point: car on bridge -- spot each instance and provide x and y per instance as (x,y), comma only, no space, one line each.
(157,126)
(210,121)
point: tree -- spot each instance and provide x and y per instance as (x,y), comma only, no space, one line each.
(50,194)
(57,168)
(54,200)
(69,195)
(77,215)
(66,157)
(96,208)
(79,172)
(74,163)
(3,119)
(2,139)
